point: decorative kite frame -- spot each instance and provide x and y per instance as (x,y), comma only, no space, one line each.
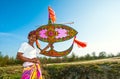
(52,33)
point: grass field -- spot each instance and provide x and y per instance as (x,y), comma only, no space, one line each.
(14,72)
(98,61)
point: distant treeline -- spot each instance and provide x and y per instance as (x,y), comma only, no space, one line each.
(6,60)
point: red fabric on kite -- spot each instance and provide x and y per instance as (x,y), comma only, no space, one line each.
(52,17)
(79,43)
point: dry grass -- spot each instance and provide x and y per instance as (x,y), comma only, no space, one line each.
(98,61)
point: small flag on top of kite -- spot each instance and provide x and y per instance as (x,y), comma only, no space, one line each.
(52,16)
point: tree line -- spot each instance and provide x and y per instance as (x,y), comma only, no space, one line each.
(7,60)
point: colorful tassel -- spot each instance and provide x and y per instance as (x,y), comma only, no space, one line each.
(52,16)
(79,43)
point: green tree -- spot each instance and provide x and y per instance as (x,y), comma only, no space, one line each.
(102,54)
(118,55)
(94,55)
(88,57)
(110,55)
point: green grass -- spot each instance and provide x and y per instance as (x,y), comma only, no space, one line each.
(10,72)
(96,69)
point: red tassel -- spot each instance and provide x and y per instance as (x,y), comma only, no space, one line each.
(79,43)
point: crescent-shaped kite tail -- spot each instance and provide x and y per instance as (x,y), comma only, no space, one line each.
(54,53)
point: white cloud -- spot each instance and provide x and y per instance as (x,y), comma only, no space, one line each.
(10,35)
(5,34)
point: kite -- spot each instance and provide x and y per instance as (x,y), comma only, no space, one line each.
(52,33)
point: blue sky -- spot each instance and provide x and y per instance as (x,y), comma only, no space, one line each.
(97,23)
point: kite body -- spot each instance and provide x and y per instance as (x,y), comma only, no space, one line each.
(52,33)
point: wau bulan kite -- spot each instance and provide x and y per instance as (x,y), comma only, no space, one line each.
(53,33)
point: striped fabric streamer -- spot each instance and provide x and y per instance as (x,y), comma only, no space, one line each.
(32,72)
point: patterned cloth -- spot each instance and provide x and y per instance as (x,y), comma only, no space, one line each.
(32,72)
